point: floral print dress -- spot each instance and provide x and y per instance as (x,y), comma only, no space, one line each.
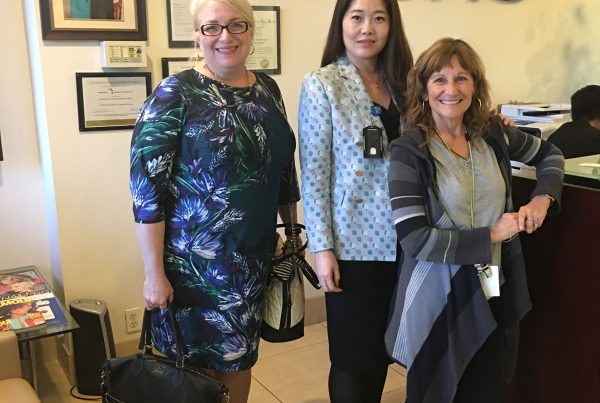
(214,162)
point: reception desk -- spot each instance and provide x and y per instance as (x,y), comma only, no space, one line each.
(559,355)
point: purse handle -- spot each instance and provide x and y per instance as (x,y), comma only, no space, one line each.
(145,343)
(294,251)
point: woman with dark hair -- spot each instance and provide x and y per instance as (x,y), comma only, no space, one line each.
(462,289)
(350,109)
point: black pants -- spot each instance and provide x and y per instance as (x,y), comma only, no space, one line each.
(482,379)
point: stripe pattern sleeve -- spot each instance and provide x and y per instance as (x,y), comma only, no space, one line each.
(545,156)
(424,230)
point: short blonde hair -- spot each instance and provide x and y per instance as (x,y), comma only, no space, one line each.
(241,6)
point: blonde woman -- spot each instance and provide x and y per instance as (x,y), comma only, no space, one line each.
(211,161)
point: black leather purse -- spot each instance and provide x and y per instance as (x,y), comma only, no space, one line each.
(149,378)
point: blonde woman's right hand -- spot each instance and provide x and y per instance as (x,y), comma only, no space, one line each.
(158,292)
(328,271)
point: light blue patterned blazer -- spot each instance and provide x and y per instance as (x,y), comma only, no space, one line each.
(344,195)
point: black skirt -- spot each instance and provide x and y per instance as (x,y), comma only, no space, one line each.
(357,316)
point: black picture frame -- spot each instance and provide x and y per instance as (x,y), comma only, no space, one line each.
(1,153)
(108,88)
(87,29)
(267,55)
(254,61)
(171,65)
(173,42)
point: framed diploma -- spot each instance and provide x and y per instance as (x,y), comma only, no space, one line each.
(110,101)
(173,65)
(180,24)
(266,56)
(102,20)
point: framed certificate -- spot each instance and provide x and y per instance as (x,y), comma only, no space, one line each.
(110,101)
(180,24)
(266,57)
(173,65)
(97,19)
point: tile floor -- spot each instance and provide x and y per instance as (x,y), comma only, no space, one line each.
(294,372)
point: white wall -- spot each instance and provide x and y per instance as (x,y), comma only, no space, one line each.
(533,50)
(23,223)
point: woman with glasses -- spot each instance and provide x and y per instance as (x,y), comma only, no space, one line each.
(211,161)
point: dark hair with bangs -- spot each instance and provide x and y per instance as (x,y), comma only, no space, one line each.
(434,59)
(395,59)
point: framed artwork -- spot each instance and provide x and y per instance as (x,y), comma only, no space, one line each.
(1,154)
(173,65)
(94,20)
(110,101)
(266,57)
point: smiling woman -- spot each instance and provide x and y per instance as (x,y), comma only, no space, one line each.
(462,289)
(224,32)
(211,162)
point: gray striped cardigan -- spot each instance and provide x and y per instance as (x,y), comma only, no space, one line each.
(439,316)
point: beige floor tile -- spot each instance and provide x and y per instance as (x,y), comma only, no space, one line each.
(53,386)
(259,394)
(294,372)
(297,376)
(313,334)
(394,396)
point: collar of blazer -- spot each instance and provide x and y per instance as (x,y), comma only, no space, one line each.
(357,91)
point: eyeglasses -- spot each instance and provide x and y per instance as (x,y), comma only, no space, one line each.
(235,27)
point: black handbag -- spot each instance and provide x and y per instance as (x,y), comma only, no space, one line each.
(283,318)
(148,378)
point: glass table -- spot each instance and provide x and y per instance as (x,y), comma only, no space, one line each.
(33,289)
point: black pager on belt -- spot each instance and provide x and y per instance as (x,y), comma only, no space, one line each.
(373,144)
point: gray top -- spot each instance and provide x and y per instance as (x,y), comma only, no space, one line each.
(454,184)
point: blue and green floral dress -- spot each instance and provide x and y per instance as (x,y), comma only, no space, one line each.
(214,162)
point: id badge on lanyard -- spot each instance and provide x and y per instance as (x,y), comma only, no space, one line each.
(373,137)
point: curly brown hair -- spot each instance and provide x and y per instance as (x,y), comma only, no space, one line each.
(434,59)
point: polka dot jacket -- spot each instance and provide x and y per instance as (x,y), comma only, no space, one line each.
(345,196)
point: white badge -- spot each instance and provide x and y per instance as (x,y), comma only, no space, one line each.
(490,281)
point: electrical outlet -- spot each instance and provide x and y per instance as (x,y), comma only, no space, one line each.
(133,320)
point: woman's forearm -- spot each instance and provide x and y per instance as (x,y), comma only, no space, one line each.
(151,238)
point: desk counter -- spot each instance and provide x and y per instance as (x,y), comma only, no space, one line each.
(559,355)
